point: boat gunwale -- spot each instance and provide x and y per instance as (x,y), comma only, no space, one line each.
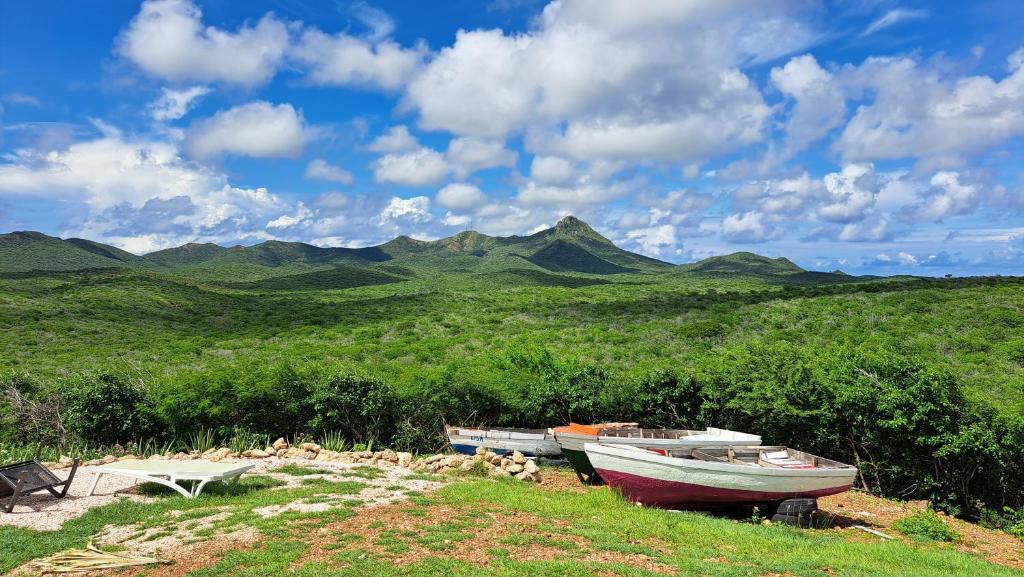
(635,454)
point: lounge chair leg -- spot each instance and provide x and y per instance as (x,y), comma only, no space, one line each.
(95,482)
(17,492)
(71,477)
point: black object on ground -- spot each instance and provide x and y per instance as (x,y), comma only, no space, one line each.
(26,477)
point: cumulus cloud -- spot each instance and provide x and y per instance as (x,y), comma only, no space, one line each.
(168,39)
(259,129)
(140,195)
(461,196)
(581,194)
(173,104)
(320,169)
(916,112)
(395,139)
(580,82)
(415,209)
(818,103)
(468,155)
(421,167)
(551,170)
(343,60)
(653,240)
(852,193)
(749,227)
(946,197)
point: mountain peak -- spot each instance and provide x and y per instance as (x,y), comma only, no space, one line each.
(571,223)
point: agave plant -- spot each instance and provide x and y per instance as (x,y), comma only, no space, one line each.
(333,441)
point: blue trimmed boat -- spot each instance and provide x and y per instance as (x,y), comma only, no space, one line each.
(529,442)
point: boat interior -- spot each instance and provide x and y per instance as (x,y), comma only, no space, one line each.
(772,457)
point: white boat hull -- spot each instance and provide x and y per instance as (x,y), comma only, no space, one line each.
(652,479)
(530,444)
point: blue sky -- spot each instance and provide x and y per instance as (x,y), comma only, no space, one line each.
(874,136)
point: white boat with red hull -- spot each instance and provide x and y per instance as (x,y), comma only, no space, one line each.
(708,477)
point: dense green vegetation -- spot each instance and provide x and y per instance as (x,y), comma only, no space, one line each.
(918,381)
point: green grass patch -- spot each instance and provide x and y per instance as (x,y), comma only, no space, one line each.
(299,470)
(925,526)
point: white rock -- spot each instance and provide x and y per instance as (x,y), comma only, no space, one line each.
(518,458)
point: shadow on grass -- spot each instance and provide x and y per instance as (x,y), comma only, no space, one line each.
(239,489)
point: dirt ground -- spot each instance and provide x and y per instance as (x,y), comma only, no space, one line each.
(408,532)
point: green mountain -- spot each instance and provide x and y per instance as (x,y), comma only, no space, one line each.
(745,263)
(26,251)
(556,256)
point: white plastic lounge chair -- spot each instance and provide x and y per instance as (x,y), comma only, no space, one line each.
(169,473)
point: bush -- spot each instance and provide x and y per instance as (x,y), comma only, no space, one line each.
(361,408)
(106,409)
(925,526)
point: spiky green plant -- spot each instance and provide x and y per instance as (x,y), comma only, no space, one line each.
(333,441)
(202,441)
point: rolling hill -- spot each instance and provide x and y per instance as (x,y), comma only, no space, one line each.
(27,251)
(554,256)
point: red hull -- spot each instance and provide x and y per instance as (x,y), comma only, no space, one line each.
(658,493)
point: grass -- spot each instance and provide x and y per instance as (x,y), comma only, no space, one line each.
(17,545)
(585,534)
(925,526)
(299,470)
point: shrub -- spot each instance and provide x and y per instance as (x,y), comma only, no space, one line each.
(107,409)
(925,526)
(361,408)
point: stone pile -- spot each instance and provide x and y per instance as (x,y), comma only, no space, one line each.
(485,461)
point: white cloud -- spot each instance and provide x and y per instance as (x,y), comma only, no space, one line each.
(852,193)
(872,230)
(173,104)
(461,196)
(654,239)
(579,195)
(551,170)
(584,84)
(396,139)
(451,219)
(468,155)
(947,197)
(415,209)
(917,112)
(168,39)
(378,22)
(422,167)
(302,213)
(892,18)
(748,227)
(819,104)
(320,169)
(258,129)
(140,194)
(343,60)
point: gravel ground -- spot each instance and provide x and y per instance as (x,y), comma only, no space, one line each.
(42,512)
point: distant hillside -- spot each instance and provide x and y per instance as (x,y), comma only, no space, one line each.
(748,264)
(745,263)
(570,248)
(34,251)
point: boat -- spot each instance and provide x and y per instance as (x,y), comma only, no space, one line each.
(709,477)
(529,442)
(571,439)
